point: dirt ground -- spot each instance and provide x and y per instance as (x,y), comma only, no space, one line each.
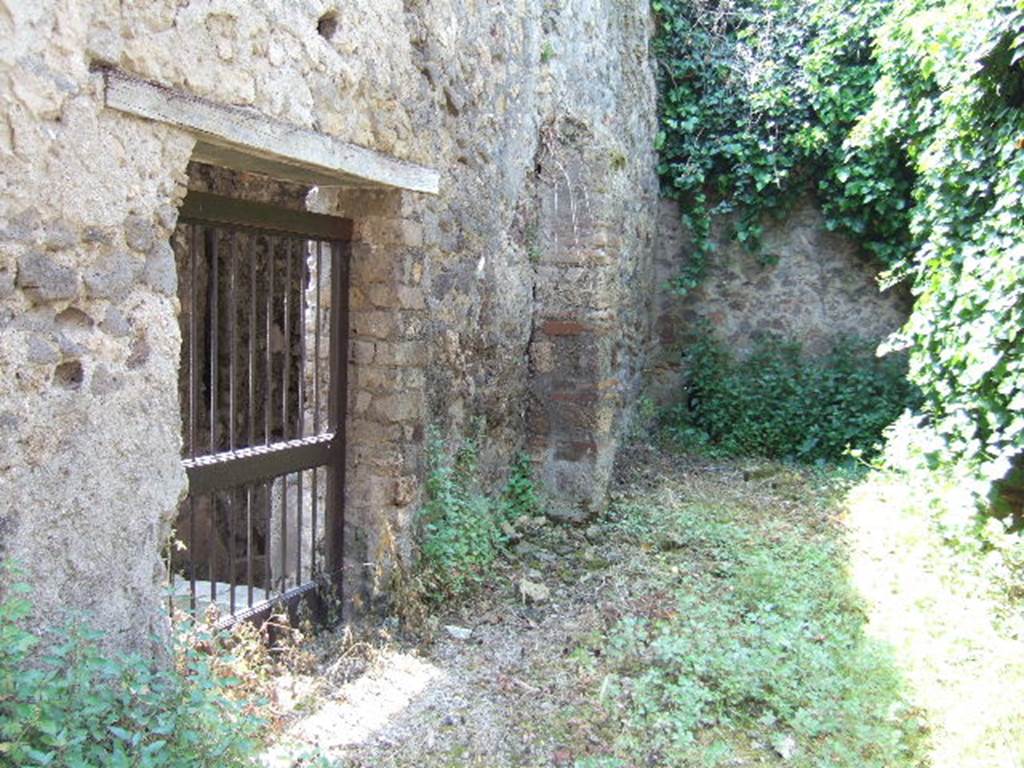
(505,695)
(503,680)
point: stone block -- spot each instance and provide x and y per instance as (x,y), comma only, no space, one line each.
(374,324)
(411,297)
(382,295)
(361,402)
(113,275)
(161,273)
(43,279)
(402,407)
(400,353)
(361,352)
(411,233)
(140,234)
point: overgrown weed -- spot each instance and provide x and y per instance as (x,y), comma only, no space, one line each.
(465,528)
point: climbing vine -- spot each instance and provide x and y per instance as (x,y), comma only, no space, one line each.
(756,99)
(906,119)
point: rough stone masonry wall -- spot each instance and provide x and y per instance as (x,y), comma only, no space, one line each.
(518,293)
(817,288)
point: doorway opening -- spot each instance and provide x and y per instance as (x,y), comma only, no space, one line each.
(263,385)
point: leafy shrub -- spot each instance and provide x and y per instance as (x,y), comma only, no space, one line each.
(64,702)
(461,525)
(519,497)
(780,404)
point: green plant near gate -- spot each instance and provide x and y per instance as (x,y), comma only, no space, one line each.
(519,496)
(463,526)
(65,702)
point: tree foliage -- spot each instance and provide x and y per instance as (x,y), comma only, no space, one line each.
(905,117)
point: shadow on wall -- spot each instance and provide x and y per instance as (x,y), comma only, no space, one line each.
(816,287)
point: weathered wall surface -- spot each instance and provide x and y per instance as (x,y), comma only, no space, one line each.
(519,293)
(817,288)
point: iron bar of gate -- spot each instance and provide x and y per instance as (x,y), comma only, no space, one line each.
(285,374)
(301,387)
(268,411)
(232,413)
(253,256)
(316,396)
(337,405)
(193,398)
(213,323)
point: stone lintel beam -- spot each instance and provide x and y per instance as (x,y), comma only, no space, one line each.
(245,140)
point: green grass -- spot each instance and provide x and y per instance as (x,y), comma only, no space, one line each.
(745,639)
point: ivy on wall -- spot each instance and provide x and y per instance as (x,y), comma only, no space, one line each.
(906,118)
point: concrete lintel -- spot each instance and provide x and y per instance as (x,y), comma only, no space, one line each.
(246,140)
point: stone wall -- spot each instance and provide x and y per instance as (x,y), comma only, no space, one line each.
(518,294)
(816,287)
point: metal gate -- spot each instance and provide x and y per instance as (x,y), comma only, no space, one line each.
(264,294)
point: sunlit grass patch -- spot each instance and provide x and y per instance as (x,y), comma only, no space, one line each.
(758,650)
(946,605)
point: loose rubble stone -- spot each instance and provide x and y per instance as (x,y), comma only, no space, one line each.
(59,236)
(115,323)
(139,234)
(533,592)
(458,633)
(42,351)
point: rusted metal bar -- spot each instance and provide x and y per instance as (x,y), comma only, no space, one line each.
(285,376)
(214,325)
(334,532)
(316,401)
(214,209)
(268,411)
(232,337)
(301,387)
(284,534)
(232,402)
(226,469)
(193,399)
(287,351)
(251,441)
(268,514)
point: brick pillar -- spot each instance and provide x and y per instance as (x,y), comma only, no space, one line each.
(576,386)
